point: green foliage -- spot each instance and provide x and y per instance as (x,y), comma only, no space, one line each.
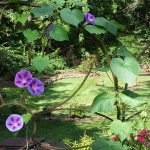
(21,18)
(83,142)
(111,27)
(103,144)
(40,63)
(132,99)
(26,118)
(31,35)
(126,70)
(94,30)
(57,63)
(120,26)
(103,102)
(11,59)
(78,110)
(58,33)
(45,9)
(123,130)
(73,17)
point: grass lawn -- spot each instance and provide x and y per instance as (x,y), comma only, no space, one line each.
(58,92)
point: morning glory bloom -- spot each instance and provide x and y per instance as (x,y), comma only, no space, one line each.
(14,122)
(36,87)
(23,78)
(49,27)
(89,18)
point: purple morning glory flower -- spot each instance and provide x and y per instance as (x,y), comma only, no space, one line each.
(89,18)
(49,27)
(23,78)
(14,122)
(36,87)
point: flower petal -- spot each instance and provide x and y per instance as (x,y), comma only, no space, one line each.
(89,18)
(14,122)
(48,28)
(36,87)
(23,78)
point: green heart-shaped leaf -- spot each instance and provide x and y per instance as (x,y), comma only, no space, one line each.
(132,99)
(21,18)
(126,70)
(123,130)
(94,30)
(45,9)
(103,102)
(73,17)
(31,35)
(111,27)
(124,52)
(103,144)
(26,117)
(40,63)
(58,33)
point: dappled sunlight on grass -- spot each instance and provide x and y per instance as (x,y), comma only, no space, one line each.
(58,92)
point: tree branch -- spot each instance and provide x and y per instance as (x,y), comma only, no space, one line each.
(20,3)
(143,51)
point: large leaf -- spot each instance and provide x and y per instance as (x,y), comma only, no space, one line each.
(111,27)
(73,17)
(59,1)
(124,52)
(103,102)
(94,30)
(123,130)
(132,99)
(58,33)
(120,26)
(126,70)
(40,63)
(31,35)
(21,18)
(45,9)
(26,117)
(103,144)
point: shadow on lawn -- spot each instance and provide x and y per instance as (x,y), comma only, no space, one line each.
(58,131)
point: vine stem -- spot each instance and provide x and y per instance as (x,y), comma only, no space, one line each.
(53,108)
(79,85)
(2,11)
(1,99)
(103,48)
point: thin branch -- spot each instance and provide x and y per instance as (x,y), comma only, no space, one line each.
(13,104)
(2,11)
(143,51)
(104,116)
(137,113)
(84,110)
(77,109)
(1,99)
(20,3)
